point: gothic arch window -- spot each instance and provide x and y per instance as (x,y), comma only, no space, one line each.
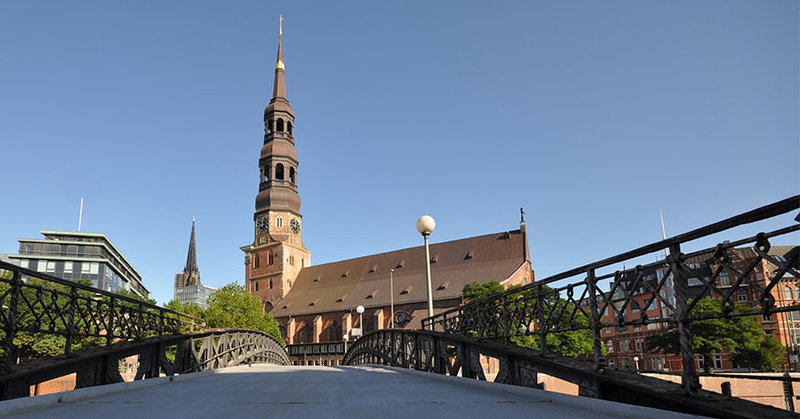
(271,258)
(279,221)
(304,335)
(279,125)
(279,171)
(269,126)
(291,174)
(289,127)
(267,306)
(270,284)
(334,332)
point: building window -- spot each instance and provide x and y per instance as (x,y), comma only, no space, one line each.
(85,267)
(279,125)
(256,282)
(289,127)
(291,174)
(256,261)
(41,265)
(759,275)
(787,293)
(271,258)
(610,346)
(724,280)
(765,318)
(279,219)
(639,345)
(741,295)
(291,260)
(51,266)
(279,171)
(701,362)
(68,267)
(718,361)
(23,263)
(270,284)
(611,362)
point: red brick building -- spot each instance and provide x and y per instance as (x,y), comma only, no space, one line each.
(316,304)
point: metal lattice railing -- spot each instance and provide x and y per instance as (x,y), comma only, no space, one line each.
(38,305)
(656,295)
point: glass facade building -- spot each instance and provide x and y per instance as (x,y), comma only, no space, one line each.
(77,255)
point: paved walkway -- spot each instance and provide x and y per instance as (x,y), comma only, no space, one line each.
(306,392)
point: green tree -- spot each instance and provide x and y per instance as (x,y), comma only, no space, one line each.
(232,306)
(743,337)
(573,344)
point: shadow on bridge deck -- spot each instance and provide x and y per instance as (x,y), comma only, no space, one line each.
(331,392)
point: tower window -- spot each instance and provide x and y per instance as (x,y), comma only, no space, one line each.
(270,284)
(279,171)
(279,125)
(269,126)
(279,220)
(271,259)
(265,172)
(256,282)
(291,174)
(256,261)
(289,127)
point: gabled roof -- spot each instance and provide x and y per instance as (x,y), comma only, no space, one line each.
(344,285)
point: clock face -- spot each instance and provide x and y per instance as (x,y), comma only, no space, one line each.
(262,224)
(295,226)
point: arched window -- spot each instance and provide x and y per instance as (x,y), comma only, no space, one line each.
(269,126)
(291,174)
(304,335)
(289,127)
(279,221)
(270,284)
(268,307)
(279,125)
(334,332)
(279,171)
(256,261)
(256,282)
(787,293)
(271,258)
(265,172)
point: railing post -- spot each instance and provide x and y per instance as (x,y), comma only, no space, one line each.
(10,352)
(594,321)
(112,307)
(540,315)
(506,322)
(73,302)
(689,380)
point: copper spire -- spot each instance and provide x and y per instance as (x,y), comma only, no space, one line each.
(279,89)
(191,274)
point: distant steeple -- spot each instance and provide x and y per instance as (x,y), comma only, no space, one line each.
(191,274)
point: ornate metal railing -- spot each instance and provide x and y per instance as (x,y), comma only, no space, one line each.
(656,294)
(35,305)
(465,356)
(161,355)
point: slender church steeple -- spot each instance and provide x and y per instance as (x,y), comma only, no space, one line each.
(277,253)
(191,274)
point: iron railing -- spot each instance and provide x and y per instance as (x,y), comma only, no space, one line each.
(659,294)
(38,304)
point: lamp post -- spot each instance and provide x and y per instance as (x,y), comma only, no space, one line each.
(360,310)
(425,226)
(391,298)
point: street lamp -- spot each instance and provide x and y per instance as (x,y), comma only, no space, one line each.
(425,226)
(360,310)
(391,298)
(636,363)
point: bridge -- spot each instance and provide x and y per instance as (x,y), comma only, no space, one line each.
(401,369)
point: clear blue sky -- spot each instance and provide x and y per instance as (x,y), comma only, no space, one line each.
(591,115)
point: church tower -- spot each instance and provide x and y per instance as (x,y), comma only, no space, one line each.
(277,253)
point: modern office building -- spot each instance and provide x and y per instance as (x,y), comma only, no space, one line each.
(188,288)
(78,255)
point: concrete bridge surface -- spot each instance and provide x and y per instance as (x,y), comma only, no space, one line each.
(324,392)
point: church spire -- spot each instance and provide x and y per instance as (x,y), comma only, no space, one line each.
(191,274)
(279,89)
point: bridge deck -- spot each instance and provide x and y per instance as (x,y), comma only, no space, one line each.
(331,392)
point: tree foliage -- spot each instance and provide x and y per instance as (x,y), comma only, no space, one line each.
(573,344)
(743,337)
(232,306)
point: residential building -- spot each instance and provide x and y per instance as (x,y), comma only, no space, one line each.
(78,255)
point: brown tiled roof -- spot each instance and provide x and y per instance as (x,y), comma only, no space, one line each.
(491,257)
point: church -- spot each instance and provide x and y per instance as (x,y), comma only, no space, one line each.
(317,304)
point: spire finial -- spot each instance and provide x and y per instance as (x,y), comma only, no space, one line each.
(280,25)
(521,215)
